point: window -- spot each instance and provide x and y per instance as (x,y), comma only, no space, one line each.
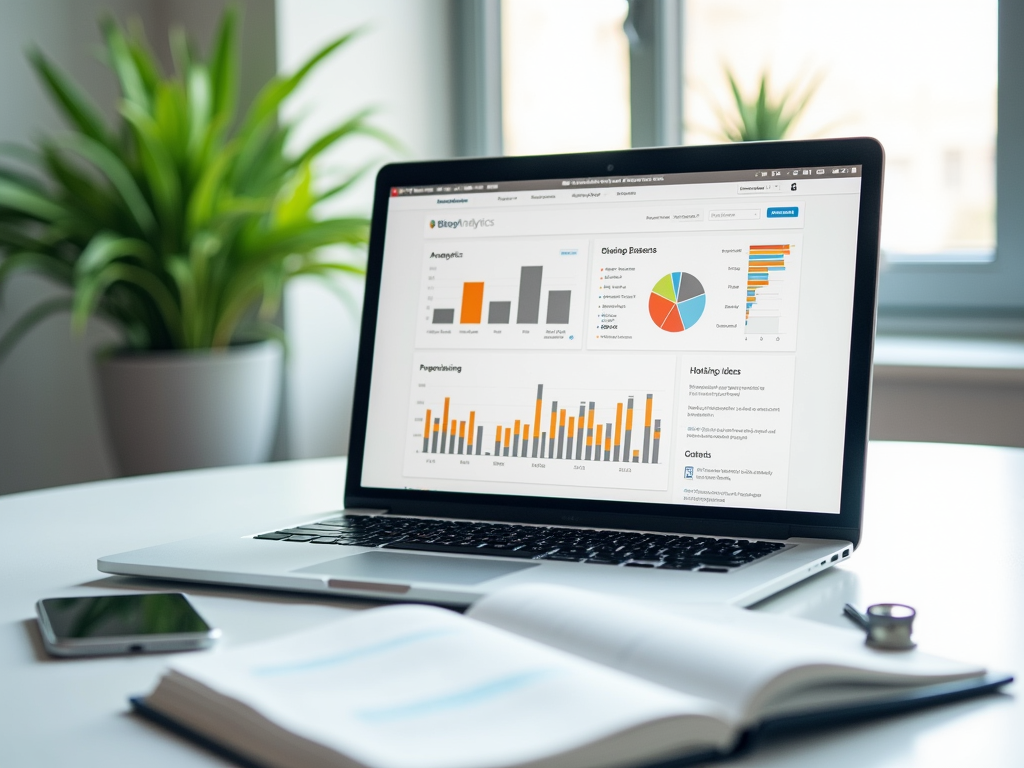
(565,76)
(919,77)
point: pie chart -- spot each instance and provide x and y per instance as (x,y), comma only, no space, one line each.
(677,302)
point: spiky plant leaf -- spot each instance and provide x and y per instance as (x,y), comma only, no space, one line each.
(764,117)
(182,218)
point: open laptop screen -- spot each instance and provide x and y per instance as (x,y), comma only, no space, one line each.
(679,338)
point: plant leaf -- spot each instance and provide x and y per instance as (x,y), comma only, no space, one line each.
(224,66)
(123,63)
(107,247)
(73,103)
(29,202)
(119,176)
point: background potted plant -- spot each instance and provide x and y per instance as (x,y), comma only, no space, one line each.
(180,225)
(764,116)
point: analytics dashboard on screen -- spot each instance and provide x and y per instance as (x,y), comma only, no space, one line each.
(682,339)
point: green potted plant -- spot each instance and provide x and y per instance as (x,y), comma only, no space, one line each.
(763,117)
(180,225)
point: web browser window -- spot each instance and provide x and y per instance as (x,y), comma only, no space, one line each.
(678,339)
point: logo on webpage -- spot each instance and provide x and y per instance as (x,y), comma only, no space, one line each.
(460,223)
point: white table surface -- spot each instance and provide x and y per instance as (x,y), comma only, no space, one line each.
(943,531)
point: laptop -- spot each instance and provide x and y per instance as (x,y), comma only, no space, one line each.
(644,372)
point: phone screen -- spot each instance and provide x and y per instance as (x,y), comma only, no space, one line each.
(75,618)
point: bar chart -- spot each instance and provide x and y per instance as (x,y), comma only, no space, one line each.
(538,418)
(503,294)
(765,283)
(557,442)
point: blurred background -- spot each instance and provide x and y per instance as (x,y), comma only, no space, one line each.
(939,83)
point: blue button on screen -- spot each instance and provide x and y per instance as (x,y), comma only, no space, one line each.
(784,213)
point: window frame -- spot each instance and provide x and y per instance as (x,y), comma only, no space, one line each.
(927,297)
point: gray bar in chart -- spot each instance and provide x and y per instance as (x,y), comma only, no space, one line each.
(499,311)
(543,442)
(426,437)
(528,310)
(451,440)
(558,307)
(551,440)
(462,444)
(561,439)
(657,431)
(479,439)
(590,430)
(444,316)
(647,432)
(607,441)
(437,423)
(629,431)
(515,444)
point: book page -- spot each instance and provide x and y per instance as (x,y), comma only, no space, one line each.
(742,659)
(408,686)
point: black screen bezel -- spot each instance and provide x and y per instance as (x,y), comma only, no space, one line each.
(865,152)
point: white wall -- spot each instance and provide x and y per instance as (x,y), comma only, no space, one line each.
(401,65)
(50,425)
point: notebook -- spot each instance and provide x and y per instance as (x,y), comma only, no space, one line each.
(541,676)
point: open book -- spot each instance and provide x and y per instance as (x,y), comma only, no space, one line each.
(537,676)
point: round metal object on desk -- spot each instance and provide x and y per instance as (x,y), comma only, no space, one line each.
(890,626)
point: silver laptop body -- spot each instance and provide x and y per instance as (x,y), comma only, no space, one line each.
(643,372)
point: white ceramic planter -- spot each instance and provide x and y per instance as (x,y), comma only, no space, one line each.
(167,411)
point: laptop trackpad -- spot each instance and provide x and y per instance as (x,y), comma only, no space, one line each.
(399,566)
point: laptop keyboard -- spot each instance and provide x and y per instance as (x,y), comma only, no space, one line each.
(630,549)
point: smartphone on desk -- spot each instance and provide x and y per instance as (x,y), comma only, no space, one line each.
(112,624)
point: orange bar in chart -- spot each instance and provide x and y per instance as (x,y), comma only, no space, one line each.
(590,430)
(515,437)
(472,419)
(426,432)
(472,302)
(597,443)
(536,418)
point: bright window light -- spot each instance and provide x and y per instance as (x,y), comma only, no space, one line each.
(565,76)
(918,76)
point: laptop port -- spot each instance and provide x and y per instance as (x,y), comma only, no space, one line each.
(846,553)
(834,558)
